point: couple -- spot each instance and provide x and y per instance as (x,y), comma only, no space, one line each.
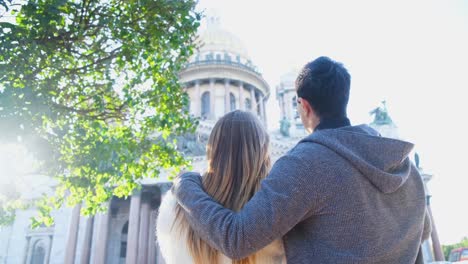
(343,194)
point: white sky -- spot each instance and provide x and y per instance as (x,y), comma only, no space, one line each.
(411,53)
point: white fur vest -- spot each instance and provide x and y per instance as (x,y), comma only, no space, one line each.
(174,246)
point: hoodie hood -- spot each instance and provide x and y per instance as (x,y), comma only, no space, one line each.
(383,161)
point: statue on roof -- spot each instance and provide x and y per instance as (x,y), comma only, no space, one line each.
(381,116)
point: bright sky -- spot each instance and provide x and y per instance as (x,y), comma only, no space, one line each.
(413,54)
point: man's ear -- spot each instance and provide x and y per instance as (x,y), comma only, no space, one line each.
(307,107)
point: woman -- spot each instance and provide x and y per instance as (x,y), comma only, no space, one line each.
(238,160)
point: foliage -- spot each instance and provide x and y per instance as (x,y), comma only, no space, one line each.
(448,248)
(92,87)
(8,211)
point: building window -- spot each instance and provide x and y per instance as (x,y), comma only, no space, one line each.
(38,253)
(464,254)
(248,104)
(209,56)
(218,57)
(205,105)
(232,101)
(123,242)
(294,105)
(227,57)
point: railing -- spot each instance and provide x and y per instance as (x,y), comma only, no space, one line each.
(223,62)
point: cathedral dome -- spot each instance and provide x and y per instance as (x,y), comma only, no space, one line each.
(216,39)
(220,76)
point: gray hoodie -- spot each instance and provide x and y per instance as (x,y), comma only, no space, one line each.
(341,195)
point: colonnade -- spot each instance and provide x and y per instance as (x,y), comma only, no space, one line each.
(256,98)
(141,241)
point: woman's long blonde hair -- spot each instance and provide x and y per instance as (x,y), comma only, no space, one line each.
(238,159)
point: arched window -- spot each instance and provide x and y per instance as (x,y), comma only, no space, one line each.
(248,104)
(227,57)
(232,101)
(38,253)
(205,105)
(123,243)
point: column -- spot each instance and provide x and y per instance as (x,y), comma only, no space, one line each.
(152,238)
(100,250)
(438,255)
(289,106)
(212,99)
(49,249)
(281,103)
(26,250)
(144,231)
(262,108)
(241,96)
(254,101)
(227,105)
(70,250)
(86,250)
(133,228)
(159,258)
(197,101)
(30,250)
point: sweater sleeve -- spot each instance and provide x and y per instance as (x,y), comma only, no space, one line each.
(283,200)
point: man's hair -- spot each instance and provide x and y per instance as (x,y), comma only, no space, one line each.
(325,84)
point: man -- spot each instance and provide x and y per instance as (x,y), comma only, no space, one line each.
(343,194)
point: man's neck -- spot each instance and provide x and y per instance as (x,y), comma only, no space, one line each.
(331,123)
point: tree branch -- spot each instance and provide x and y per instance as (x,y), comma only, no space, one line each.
(113,54)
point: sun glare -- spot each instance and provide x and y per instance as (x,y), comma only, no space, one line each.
(15,163)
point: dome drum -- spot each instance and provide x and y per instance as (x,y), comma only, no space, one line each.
(209,71)
(212,97)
